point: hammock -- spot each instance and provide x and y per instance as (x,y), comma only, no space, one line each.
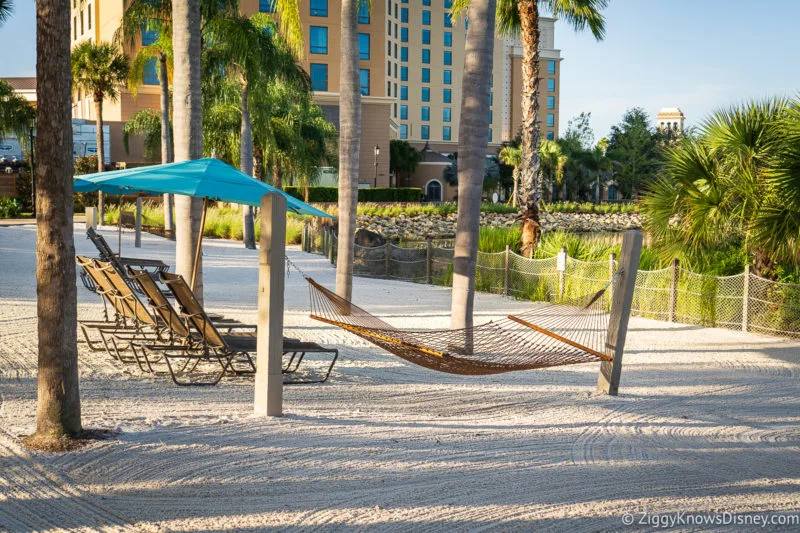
(570,332)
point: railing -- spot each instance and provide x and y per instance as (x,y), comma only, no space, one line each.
(743,302)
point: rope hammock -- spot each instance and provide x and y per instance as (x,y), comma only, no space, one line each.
(570,332)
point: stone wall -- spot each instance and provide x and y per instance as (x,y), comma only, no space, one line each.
(443,226)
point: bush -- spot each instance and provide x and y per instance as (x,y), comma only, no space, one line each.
(315,194)
(381,194)
(8,208)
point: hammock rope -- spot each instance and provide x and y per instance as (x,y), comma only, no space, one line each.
(569,332)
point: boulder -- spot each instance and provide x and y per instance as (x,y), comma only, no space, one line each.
(367,238)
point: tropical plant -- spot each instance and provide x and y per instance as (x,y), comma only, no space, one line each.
(58,413)
(5,10)
(521,18)
(512,155)
(553,160)
(738,180)
(472,145)
(17,115)
(98,70)
(145,123)
(403,160)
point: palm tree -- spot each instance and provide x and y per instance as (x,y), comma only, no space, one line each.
(145,123)
(472,144)
(737,181)
(152,16)
(99,69)
(58,414)
(17,115)
(349,146)
(5,10)
(512,156)
(553,161)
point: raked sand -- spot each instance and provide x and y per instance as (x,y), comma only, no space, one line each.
(708,420)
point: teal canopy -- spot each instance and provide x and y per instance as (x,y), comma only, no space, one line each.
(202,178)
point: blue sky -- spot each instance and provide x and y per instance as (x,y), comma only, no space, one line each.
(698,55)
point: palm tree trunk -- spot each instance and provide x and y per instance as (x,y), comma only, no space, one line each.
(515,195)
(258,163)
(529,26)
(166,141)
(246,165)
(98,114)
(472,144)
(188,128)
(277,177)
(349,145)
(58,411)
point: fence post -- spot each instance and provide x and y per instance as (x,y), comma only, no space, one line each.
(561,266)
(746,300)
(428,258)
(673,290)
(610,371)
(388,259)
(330,245)
(505,277)
(612,270)
(304,238)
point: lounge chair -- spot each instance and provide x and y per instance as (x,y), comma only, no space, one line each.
(225,349)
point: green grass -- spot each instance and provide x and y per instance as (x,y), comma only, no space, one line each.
(589,207)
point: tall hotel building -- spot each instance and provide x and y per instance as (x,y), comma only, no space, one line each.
(412,58)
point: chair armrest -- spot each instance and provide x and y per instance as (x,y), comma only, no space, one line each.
(133,261)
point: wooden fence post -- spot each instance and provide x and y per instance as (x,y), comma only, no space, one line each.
(561,266)
(331,245)
(388,259)
(303,239)
(746,300)
(610,372)
(428,258)
(673,290)
(137,240)
(507,266)
(271,258)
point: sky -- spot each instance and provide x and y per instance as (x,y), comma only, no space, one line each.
(699,55)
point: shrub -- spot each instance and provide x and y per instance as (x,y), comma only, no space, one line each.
(390,194)
(8,208)
(315,194)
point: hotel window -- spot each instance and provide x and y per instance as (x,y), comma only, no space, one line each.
(89,17)
(388,68)
(395,109)
(388,88)
(491,98)
(448,57)
(363,45)
(426,17)
(395,90)
(425,113)
(426,2)
(319,8)
(404,15)
(448,20)
(491,116)
(446,133)
(551,85)
(395,70)
(82,30)
(403,53)
(403,112)
(395,50)
(426,36)
(319,39)
(448,4)
(446,114)
(404,93)
(448,38)
(268,6)
(490,134)
(551,102)
(404,131)
(388,48)
(148,36)
(319,77)
(395,11)
(404,35)
(363,13)
(426,94)
(74,28)
(395,31)
(447,96)
(426,75)
(150,73)
(551,120)
(389,28)
(425,132)
(364,75)
(426,56)
(447,76)
(403,73)
(551,136)
(551,67)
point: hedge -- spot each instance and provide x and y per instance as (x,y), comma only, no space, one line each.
(380,194)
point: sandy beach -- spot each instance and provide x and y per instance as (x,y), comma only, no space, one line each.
(707,421)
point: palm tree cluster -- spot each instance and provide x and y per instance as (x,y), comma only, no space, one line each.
(17,115)
(737,181)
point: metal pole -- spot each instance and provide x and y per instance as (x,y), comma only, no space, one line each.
(673,290)
(268,397)
(199,242)
(610,371)
(137,241)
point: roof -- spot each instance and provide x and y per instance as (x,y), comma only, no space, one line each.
(670,112)
(429,156)
(21,84)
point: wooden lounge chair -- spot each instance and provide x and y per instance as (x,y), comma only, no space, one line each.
(227,350)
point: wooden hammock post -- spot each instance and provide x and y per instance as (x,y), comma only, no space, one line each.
(505,276)
(561,266)
(271,258)
(428,254)
(673,290)
(610,372)
(746,299)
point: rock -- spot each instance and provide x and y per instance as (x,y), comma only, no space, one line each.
(367,238)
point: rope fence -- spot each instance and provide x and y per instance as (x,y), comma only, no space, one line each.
(743,302)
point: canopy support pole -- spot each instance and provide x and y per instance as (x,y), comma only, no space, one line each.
(199,248)
(610,371)
(268,397)
(119,224)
